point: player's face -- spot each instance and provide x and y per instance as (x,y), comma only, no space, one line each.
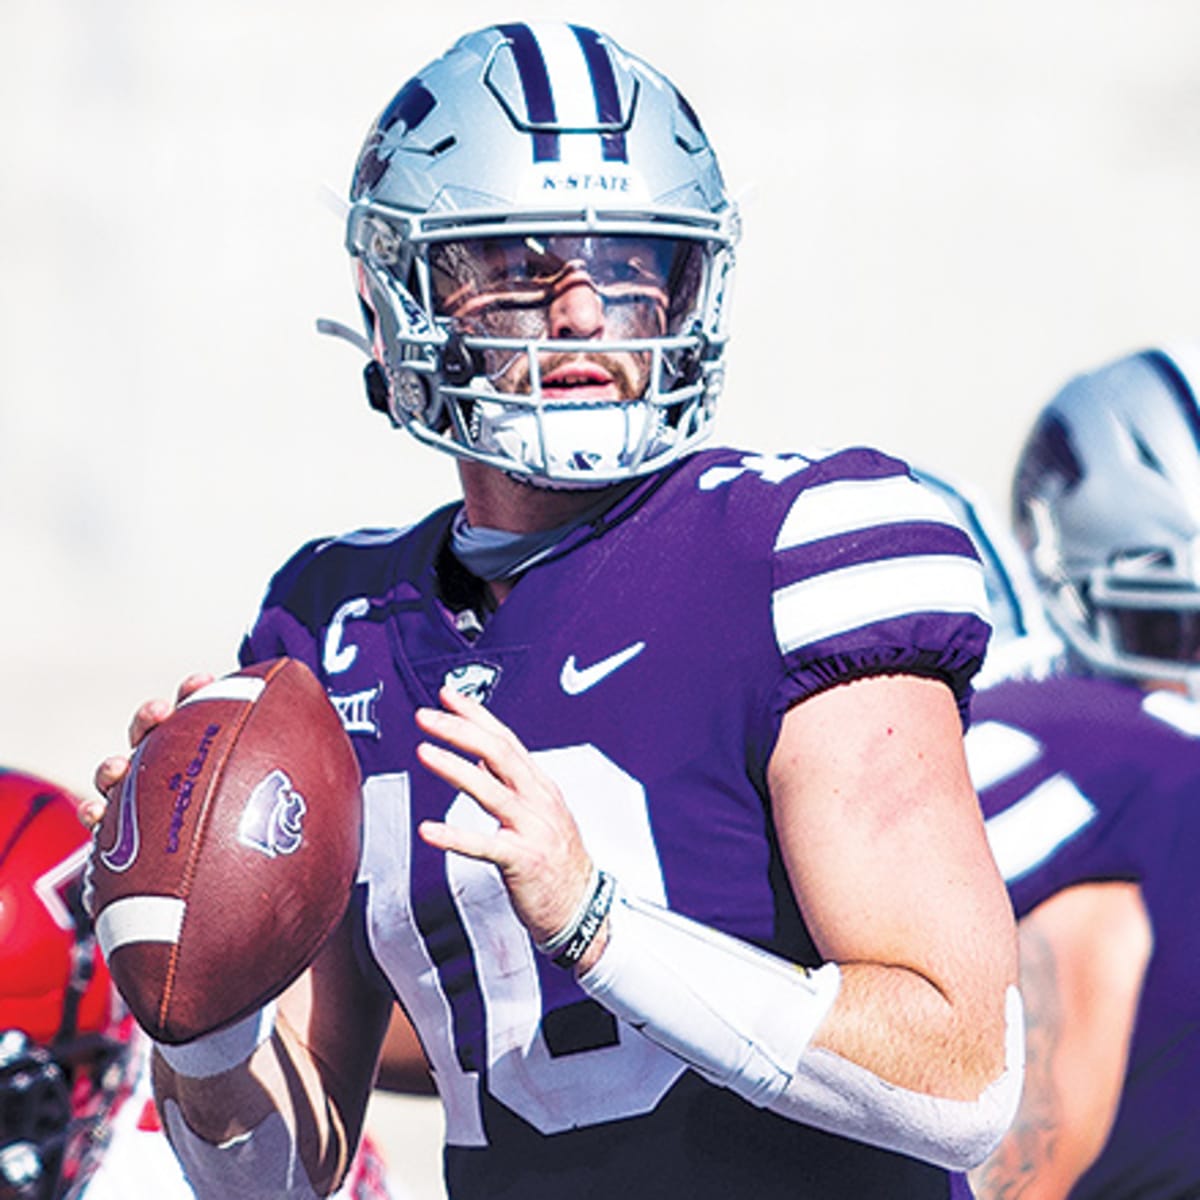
(542,288)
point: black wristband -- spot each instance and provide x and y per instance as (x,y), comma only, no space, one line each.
(588,925)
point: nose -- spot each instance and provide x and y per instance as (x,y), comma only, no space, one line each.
(576,308)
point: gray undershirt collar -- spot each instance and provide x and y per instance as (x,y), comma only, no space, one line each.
(500,554)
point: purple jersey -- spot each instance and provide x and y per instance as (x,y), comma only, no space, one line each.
(1090,779)
(648,663)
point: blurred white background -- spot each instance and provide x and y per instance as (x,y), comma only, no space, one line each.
(949,208)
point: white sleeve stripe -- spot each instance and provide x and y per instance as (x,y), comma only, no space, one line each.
(1180,712)
(1025,835)
(846,505)
(996,752)
(838,601)
(139,919)
(232,687)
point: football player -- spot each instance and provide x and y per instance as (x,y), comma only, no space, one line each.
(1089,778)
(677,869)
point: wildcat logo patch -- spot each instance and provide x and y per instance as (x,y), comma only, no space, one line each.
(272,821)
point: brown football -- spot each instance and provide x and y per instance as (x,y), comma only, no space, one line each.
(231,852)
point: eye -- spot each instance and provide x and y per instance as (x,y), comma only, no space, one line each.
(538,264)
(626,271)
(493,264)
(541,263)
(508,262)
(632,261)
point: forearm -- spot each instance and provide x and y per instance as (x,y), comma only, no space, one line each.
(897,1023)
(783,1038)
(247,1115)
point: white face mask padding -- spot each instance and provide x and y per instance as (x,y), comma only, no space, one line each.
(744,1019)
(256,1165)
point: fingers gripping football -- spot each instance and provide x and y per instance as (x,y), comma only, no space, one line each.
(111,772)
(536,845)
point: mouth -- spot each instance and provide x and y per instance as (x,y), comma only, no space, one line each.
(580,379)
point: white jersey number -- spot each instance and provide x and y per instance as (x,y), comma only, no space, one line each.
(552,1093)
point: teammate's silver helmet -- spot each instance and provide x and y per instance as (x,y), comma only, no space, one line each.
(1106,502)
(528,151)
(1022,644)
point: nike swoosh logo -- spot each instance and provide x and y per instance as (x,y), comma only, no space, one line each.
(574,681)
(121,854)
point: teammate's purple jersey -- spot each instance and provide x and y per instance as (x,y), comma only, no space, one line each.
(648,663)
(1088,779)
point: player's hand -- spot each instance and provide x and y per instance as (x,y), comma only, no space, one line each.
(537,846)
(111,772)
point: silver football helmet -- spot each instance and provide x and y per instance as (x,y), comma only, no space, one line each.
(1106,502)
(536,165)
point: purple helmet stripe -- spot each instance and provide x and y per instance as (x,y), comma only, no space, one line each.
(604,84)
(535,83)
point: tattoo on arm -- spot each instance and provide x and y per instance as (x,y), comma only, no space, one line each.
(1031,1142)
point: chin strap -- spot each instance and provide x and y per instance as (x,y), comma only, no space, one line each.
(336,329)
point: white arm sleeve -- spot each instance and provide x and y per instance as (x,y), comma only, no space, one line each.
(263,1164)
(744,1019)
(260,1165)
